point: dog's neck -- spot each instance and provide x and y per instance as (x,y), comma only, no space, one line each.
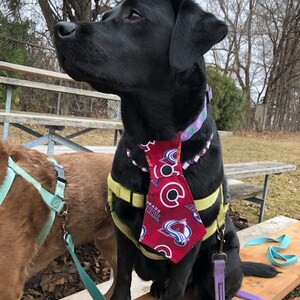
(155,114)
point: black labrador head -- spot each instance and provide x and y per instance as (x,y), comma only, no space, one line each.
(139,44)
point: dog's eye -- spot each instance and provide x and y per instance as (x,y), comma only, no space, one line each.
(105,16)
(135,15)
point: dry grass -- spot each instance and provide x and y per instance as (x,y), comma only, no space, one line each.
(284,190)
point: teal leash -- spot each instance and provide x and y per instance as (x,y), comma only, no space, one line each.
(87,281)
(273,256)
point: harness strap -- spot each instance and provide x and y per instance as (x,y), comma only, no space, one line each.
(220,220)
(127,231)
(136,198)
(8,180)
(53,201)
(59,193)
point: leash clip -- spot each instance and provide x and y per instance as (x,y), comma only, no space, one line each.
(220,255)
(63,215)
(220,237)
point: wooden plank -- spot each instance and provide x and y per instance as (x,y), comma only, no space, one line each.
(267,288)
(56,88)
(242,190)
(251,169)
(289,278)
(54,120)
(34,71)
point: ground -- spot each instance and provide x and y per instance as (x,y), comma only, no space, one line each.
(60,278)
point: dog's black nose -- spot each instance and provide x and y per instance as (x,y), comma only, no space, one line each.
(65,29)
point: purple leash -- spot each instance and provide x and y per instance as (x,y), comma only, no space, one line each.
(247,296)
(219,260)
(219,278)
(219,281)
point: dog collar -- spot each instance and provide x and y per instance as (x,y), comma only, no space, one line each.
(188,133)
(197,124)
(185,164)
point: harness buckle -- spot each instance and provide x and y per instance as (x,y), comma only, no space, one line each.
(60,174)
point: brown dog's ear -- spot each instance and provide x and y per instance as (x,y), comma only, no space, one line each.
(194,33)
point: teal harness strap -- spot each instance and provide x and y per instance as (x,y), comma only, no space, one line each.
(272,252)
(5,187)
(59,194)
(54,202)
(87,281)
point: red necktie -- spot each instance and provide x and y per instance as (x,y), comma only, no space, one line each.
(172,225)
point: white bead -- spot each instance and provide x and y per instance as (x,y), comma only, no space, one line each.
(196,158)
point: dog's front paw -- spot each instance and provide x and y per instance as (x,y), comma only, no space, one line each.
(158,288)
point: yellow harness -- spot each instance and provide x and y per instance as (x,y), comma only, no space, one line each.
(139,200)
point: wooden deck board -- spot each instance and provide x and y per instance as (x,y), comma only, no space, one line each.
(252,169)
(289,278)
(242,190)
(52,120)
(56,88)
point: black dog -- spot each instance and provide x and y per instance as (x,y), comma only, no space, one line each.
(150,52)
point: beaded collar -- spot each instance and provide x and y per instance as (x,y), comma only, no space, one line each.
(185,164)
(188,133)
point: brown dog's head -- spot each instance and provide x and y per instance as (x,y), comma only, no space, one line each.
(138,44)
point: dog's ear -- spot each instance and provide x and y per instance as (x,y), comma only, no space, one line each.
(194,33)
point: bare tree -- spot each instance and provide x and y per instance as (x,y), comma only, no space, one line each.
(73,10)
(284,81)
(262,51)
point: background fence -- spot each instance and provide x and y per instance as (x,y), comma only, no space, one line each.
(272,118)
(34,100)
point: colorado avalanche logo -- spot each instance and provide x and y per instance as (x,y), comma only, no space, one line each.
(170,156)
(170,163)
(178,230)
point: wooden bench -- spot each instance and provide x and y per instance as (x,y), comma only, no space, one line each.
(269,289)
(250,192)
(52,122)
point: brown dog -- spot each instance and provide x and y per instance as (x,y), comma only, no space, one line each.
(23,214)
